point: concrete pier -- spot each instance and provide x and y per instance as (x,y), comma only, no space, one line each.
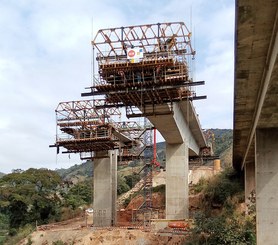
(184,137)
(266,185)
(105,188)
(177,181)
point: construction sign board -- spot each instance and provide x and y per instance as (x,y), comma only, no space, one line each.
(135,55)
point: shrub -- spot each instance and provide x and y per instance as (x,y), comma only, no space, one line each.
(12,232)
(19,234)
(132,179)
(222,186)
(223,230)
(229,226)
(159,188)
(29,242)
(78,195)
(69,213)
(127,201)
(58,242)
(200,186)
(122,186)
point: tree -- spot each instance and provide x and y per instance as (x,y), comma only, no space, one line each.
(79,194)
(122,186)
(29,196)
(132,179)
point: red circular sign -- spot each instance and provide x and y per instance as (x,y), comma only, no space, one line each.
(131,53)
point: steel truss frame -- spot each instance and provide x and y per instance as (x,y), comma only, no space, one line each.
(158,77)
(86,126)
(160,37)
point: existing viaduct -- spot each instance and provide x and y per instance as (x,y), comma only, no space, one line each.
(255,147)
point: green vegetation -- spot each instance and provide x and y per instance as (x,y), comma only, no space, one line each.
(59,242)
(221,222)
(16,235)
(42,196)
(30,196)
(127,200)
(222,186)
(27,197)
(159,188)
(132,179)
(223,229)
(83,169)
(131,168)
(223,140)
(37,196)
(125,183)
(122,186)
(4,227)
(78,195)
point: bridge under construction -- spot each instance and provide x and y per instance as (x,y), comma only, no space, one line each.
(146,71)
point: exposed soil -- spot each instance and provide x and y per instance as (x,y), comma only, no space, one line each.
(124,217)
(158,201)
(86,236)
(80,231)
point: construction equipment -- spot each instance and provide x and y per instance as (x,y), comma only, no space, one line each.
(144,67)
(82,127)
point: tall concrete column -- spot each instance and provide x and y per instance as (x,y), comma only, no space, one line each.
(250,183)
(114,165)
(105,189)
(177,181)
(267,185)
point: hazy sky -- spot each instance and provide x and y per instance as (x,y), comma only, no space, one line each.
(45,58)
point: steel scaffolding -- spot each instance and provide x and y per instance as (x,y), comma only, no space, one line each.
(144,67)
(86,127)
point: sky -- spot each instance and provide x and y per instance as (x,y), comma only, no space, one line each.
(46,58)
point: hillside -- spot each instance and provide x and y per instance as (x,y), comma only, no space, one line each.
(81,192)
(223,140)
(222,147)
(226,157)
(84,169)
(1,174)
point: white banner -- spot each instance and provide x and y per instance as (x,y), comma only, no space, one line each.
(135,54)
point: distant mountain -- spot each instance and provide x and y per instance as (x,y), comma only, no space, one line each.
(223,139)
(161,145)
(1,174)
(84,169)
(226,157)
